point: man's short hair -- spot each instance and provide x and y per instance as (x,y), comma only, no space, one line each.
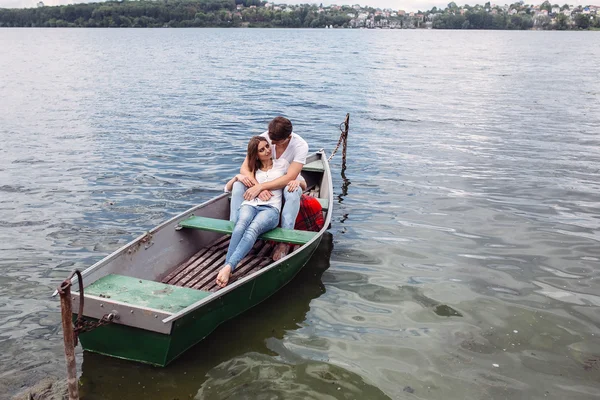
(280,128)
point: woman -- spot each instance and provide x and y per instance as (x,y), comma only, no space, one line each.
(255,216)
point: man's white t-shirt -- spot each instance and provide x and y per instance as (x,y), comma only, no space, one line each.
(297,149)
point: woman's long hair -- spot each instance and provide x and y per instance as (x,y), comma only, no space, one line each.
(253,162)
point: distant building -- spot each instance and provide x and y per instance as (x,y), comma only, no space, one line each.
(40,4)
(401,13)
(555,10)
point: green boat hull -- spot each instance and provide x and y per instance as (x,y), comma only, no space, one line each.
(135,344)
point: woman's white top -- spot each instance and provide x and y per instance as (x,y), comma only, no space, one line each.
(278,170)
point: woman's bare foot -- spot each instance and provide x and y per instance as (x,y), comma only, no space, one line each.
(223,277)
(280,251)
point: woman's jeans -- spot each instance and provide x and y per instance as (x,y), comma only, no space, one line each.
(252,222)
(291,204)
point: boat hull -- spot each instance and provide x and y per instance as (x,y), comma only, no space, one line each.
(140,345)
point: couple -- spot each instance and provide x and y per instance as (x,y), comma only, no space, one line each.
(270,173)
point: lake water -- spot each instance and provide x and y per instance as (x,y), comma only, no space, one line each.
(464,255)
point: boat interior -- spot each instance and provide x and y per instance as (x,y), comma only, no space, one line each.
(175,264)
(201,269)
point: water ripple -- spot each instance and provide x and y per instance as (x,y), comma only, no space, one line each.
(466,260)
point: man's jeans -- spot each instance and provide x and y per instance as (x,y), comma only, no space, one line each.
(291,204)
(253,221)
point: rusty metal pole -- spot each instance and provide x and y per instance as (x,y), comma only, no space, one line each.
(69,338)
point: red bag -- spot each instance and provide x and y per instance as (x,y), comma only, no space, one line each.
(310,216)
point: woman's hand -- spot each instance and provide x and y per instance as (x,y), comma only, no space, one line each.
(252,192)
(265,195)
(293,185)
(246,180)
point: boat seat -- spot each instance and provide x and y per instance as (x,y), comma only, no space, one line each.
(223,226)
(315,166)
(324,203)
(140,292)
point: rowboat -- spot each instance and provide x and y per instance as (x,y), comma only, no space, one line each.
(159,291)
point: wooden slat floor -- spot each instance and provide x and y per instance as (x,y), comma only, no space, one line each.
(200,271)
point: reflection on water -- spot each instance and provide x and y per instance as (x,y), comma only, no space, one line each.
(466,262)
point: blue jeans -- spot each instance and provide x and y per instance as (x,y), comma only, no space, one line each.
(291,204)
(253,221)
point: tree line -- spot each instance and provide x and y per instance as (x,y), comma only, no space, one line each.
(171,13)
(488,17)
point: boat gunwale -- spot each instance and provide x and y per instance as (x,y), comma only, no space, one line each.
(119,308)
(119,303)
(223,291)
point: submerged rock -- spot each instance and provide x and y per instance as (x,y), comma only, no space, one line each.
(46,389)
(446,311)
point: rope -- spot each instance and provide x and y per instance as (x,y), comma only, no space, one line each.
(81,324)
(344,126)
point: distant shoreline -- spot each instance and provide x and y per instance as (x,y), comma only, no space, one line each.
(261,14)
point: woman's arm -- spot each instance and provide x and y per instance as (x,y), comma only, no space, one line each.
(229,185)
(238,177)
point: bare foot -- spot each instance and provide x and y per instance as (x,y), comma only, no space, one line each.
(223,277)
(280,251)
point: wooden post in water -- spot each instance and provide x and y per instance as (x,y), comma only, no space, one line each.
(346,127)
(69,338)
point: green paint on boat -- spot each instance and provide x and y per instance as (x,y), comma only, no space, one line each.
(315,166)
(324,203)
(148,347)
(224,226)
(128,343)
(143,293)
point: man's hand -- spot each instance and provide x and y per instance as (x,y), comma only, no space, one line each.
(293,185)
(265,195)
(246,180)
(253,192)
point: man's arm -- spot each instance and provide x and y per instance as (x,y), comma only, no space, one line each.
(292,173)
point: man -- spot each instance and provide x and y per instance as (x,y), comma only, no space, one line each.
(290,146)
